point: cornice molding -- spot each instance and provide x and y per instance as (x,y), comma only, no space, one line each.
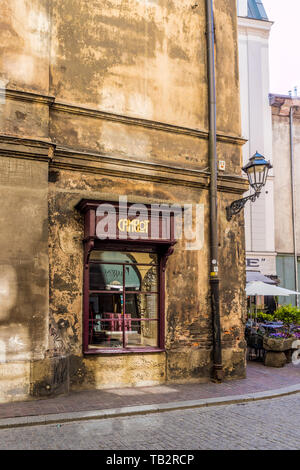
(254,28)
(254,24)
(89,162)
(282,104)
(11,146)
(19,95)
(95,163)
(146,123)
(58,106)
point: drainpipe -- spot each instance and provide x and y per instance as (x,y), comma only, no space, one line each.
(293,200)
(218,373)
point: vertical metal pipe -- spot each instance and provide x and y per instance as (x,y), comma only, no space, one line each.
(214,236)
(293,201)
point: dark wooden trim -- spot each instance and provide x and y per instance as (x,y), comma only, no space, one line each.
(164,250)
(138,292)
(86,305)
(124,305)
(124,351)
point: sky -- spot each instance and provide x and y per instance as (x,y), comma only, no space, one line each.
(284,45)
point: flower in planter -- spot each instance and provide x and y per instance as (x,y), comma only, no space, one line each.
(280,335)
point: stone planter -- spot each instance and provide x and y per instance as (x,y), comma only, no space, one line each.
(277,351)
(279,345)
(288,354)
(275,359)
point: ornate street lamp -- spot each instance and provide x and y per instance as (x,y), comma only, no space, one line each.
(257,172)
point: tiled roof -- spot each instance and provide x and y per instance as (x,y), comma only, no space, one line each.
(256,10)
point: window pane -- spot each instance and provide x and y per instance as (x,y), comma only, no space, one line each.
(122,257)
(109,326)
(105,321)
(142,334)
(144,278)
(142,306)
(132,277)
(106,277)
(144,258)
(110,256)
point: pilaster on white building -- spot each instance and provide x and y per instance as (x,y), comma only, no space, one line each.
(254,29)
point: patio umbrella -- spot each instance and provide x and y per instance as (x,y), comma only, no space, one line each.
(261,288)
(252,276)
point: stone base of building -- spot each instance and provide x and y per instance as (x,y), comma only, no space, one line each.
(55,376)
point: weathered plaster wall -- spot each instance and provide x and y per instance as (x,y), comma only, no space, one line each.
(131,57)
(24,44)
(24,68)
(232,297)
(114,86)
(283,192)
(137,58)
(137,143)
(145,60)
(24,119)
(24,272)
(188,317)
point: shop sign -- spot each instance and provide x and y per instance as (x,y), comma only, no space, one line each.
(157,223)
(265,264)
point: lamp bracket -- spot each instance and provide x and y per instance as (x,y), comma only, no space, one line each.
(238,205)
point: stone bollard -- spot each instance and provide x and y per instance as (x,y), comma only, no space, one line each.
(275,359)
(276,351)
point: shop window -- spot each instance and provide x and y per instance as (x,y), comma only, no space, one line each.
(124,277)
(124,309)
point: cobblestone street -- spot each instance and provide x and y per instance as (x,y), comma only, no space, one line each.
(267,424)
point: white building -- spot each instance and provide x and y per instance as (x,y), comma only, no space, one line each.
(286,151)
(254,29)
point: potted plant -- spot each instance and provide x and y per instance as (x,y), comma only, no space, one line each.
(279,341)
(279,344)
(289,315)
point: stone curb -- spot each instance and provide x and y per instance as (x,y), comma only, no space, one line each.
(144,409)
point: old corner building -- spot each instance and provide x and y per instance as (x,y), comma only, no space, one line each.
(101,100)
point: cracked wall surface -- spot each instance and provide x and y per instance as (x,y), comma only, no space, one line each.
(97,100)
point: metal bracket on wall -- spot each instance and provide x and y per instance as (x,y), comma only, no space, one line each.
(238,205)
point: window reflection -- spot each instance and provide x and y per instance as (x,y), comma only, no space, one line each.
(142,278)
(106,277)
(142,334)
(123,300)
(142,306)
(122,257)
(105,320)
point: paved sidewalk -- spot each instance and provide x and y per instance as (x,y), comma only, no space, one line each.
(261,382)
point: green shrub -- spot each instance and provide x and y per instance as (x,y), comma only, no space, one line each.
(288,315)
(265,317)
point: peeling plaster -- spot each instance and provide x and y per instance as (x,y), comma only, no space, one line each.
(8,290)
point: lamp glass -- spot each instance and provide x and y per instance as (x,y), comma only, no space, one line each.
(257,175)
